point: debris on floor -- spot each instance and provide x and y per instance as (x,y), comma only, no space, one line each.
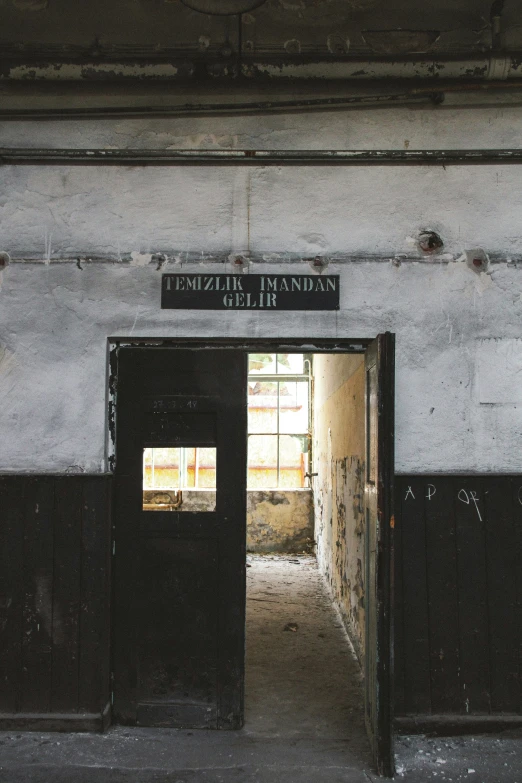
(304,716)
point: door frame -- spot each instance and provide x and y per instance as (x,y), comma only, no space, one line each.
(379,494)
(249,345)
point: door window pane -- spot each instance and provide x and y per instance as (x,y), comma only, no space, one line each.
(188,467)
(179,479)
(162,471)
(147,468)
(206,478)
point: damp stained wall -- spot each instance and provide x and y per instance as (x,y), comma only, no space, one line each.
(86,245)
(339,460)
(280,520)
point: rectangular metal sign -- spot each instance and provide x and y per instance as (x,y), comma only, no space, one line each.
(249,292)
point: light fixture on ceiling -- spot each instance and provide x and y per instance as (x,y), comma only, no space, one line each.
(222,7)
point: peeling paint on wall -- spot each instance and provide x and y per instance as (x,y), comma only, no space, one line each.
(280,521)
(339,486)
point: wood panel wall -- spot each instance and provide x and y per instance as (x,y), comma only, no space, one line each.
(54,601)
(458,581)
(458,575)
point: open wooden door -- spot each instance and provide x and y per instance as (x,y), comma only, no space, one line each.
(179,555)
(379,550)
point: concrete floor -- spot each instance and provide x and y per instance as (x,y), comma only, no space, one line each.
(303,680)
(304,714)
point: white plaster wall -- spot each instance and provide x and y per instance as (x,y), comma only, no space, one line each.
(51,213)
(417,127)
(55,318)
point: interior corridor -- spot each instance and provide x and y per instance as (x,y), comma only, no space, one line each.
(302,677)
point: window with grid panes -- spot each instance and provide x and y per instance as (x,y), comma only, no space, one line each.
(278,420)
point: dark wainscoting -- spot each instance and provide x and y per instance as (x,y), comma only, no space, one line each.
(54,602)
(458,629)
(458,577)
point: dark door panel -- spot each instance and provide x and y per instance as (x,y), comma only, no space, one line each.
(179,598)
(180,429)
(178,614)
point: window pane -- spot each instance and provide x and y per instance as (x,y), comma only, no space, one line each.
(179,479)
(293,460)
(262,406)
(262,461)
(165,473)
(290,363)
(261,363)
(207,468)
(188,473)
(147,468)
(293,407)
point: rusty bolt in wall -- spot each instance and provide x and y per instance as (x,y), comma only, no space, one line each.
(429,241)
(477,259)
(239,261)
(318,263)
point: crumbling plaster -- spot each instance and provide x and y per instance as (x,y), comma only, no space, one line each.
(280,520)
(109,213)
(367,211)
(55,317)
(339,461)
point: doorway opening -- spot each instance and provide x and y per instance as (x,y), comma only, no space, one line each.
(311,426)
(305,544)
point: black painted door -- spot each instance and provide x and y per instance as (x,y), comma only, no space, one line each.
(179,562)
(379,550)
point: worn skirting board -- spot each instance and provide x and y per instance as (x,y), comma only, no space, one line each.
(453,725)
(27,721)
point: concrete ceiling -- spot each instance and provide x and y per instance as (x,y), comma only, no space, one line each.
(282,31)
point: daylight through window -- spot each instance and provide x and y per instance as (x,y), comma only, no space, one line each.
(179,468)
(278,420)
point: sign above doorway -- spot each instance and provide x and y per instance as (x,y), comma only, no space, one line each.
(249,292)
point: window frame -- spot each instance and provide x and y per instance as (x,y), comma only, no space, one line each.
(182,470)
(279,378)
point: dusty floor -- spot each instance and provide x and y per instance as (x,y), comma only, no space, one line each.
(304,718)
(302,678)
